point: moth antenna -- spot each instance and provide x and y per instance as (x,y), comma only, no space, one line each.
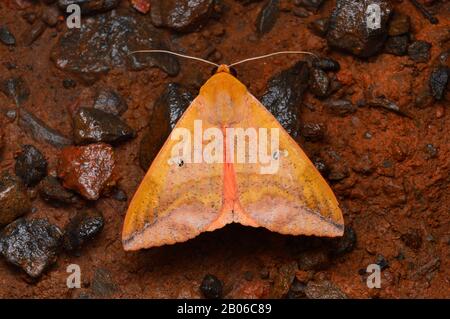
(272,54)
(176,54)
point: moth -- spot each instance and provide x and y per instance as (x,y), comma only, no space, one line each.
(202,185)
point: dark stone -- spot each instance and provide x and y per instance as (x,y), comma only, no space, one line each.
(120,195)
(284,94)
(419,51)
(40,130)
(397,45)
(438,82)
(51,191)
(327,64)
(297,290)
(91,51)
(69,83)
(382,262)
(103,285)
(312,5)
(412,239)
(348,28)
(316,259)
(167,110)
(31,165)
(109,101)
(341,107)
(313,131)
(323,290)
(6,37)
(90,6)
(14,201)
(345,244)
(16,89)
(181,15)
(268,17)
(319,83)
(321,166)
(81,228)
(91,125)
(32,245)
(211,287)
(431,151)
(88,170)
(399,24)
(319,26)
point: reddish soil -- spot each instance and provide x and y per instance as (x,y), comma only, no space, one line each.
(410,194)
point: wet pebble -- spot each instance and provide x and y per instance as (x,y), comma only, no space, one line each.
(31,165)
(87,170)
(109,101)
(397,45)
(40,130)
(211,287)
(284,94)
(142,6)
(341,107)
(319,83)
(6,37)
(91,52)
(51,191)
(323,290)
(438,81)
(348,27)
(319,26)
(267,17)
(399,24)
(419,51)
(32,245)
(327,64)
(166,112)
(313,131)
(90,6)
(412,239)
(91,125)
(181,15)
(16,89)
(14,200)
(84,226)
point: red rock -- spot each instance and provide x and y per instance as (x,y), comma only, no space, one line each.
(143,6)
(87,170)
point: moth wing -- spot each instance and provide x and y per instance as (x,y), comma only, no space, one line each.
(176,200)
(287,196)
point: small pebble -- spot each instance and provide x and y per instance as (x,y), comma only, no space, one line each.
(211,287)
(31,165)
(14,200)
(6,37)
(81,228)
(419,51)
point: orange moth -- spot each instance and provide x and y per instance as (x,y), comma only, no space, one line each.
(228,160)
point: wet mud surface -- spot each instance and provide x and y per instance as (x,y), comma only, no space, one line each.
(375,124)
